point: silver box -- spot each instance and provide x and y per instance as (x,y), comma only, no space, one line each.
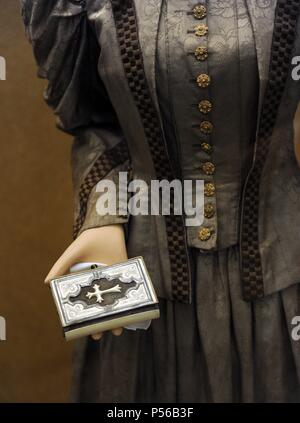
(104,298)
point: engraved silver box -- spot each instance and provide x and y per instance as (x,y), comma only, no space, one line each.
(104,298)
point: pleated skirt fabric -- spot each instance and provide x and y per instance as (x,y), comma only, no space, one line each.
(218,349)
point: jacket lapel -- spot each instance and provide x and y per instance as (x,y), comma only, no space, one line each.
(148,17)
(262,19)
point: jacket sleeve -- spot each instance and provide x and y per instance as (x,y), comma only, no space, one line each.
(67,52)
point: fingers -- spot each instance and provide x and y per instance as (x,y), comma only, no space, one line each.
(97,336)
(116,332)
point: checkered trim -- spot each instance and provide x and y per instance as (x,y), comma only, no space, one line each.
(131,54)
(287,14)
(105,163)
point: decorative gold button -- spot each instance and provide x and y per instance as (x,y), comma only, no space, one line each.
(206,127)
(199,11)
(209,211)
(206,147)
(201,53)
(209,189)
(205,234)
(208,168)
(205,106)
(203,80)
(201,30)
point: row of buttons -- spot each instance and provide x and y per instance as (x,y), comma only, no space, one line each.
(205,107)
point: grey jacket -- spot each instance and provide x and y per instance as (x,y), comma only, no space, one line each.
(99,57)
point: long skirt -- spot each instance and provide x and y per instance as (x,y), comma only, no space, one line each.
(220,348)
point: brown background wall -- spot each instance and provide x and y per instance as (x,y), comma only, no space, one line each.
(35,225)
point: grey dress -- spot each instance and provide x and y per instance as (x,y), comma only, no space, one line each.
(220,348)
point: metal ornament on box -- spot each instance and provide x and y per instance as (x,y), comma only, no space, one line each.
(103,292)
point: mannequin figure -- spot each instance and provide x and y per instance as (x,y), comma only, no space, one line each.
(184,90)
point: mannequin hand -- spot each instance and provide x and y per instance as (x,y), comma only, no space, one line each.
(104,245)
